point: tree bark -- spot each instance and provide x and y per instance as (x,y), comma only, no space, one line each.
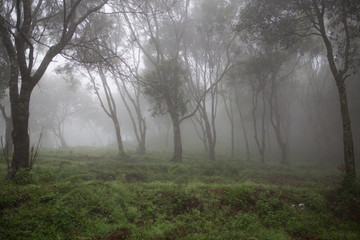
(9,146)
(118,136)
(20,135)
(340,75)
(177,156)
(349,156)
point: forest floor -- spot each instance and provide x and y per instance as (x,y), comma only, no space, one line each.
(86,194)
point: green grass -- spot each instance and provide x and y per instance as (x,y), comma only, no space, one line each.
(93,194)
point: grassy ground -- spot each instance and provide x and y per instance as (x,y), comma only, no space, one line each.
(87,194)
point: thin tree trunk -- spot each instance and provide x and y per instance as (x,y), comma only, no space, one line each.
(339,76)
(177,157)
(118,136)
(8,129)
(243,129)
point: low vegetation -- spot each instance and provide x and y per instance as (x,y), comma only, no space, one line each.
(86,194)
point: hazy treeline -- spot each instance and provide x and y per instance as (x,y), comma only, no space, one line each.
(188,74)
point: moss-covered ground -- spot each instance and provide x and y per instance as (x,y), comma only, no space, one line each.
(93,194)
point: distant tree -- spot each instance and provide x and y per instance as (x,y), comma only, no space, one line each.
(4,85)
(207,54)
(335,23)
(54,104)
(97,60)
(129,87)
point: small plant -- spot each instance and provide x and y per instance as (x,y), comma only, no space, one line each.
(34,151)
(5,150)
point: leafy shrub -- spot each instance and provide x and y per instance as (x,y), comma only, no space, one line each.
(239,197)
(24,177)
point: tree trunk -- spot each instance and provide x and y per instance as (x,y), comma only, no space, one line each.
(340,76)
(20,135)
(63,142)
(141,149)
(349,157)
(177,157)
(8,130)
(118,136)
(210,139)
(242,125)
(232,140)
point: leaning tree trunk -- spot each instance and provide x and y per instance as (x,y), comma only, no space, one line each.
(340,75)
(177,157)
(118,136)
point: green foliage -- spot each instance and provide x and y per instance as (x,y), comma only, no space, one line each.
(25,176)
(164,87)
(176,201)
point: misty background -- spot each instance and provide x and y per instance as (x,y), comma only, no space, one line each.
(228,76)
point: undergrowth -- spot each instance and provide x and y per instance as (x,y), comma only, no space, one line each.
(87,194)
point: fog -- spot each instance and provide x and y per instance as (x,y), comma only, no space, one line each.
(191,73)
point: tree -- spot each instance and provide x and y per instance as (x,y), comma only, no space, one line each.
(137,118)
(28,29)
(335,23)
(158,30)
(165,90)
(4,78)
(109,104)
(54,103)
(208,57)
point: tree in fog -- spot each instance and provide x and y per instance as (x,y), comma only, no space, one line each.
(166,93)
(4,84)
(207,54)
(54,104)
(129,87)
(158,28)
(33,33)
(237,85)
(268,71)
(313,95)
(97,60)
(336,24)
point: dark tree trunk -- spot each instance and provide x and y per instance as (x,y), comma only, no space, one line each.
(177,157)
(277,122)
(260,144)
(20,135)
(210,139)
(349,156)
(340,75)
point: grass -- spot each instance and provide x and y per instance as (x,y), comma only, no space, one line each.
(92,194)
